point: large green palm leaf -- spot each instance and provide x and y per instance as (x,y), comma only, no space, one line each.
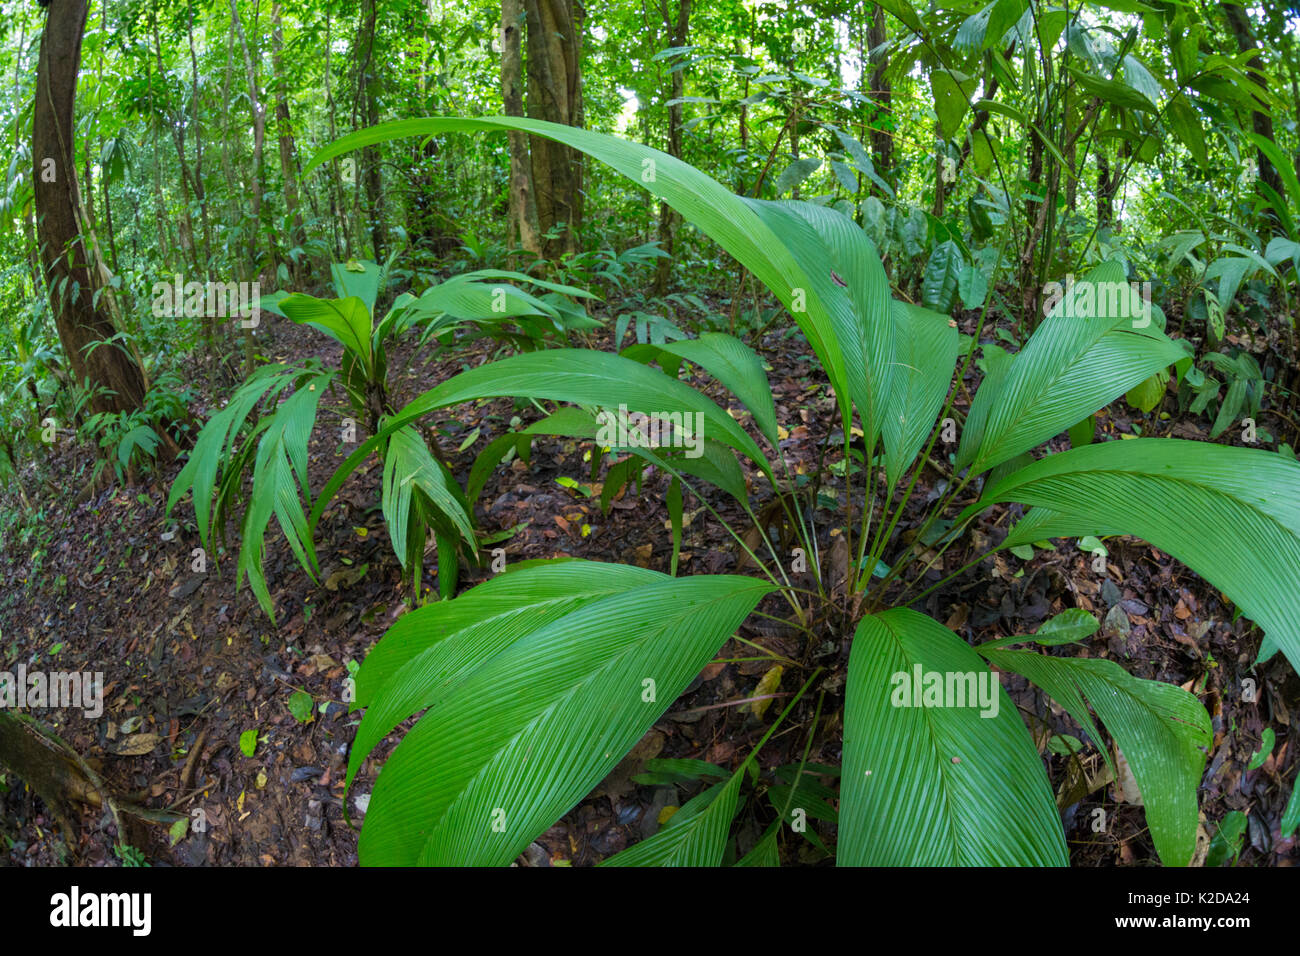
(1230,514)
(1161,729)
(527,714)
(936,786)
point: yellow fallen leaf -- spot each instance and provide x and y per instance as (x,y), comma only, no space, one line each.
(768,685)
(666,814)
(261,779)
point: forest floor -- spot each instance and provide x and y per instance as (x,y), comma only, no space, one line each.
(190,663)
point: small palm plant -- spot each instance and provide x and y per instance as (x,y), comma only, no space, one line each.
(535,683)
(419,493)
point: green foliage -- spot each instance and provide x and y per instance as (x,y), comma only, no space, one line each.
(922,784)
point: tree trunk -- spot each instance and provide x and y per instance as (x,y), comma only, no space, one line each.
(1262,122)
(555,94)
(69,255)
(882,143)
(44,767)
(367,97)
(284,128)
(668,218)
(523,210)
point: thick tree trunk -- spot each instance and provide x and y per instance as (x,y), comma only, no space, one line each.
(555,94)
(523,209)
(40,763)
(69,256)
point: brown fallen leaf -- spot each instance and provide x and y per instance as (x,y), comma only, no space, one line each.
(346,577)
(1125,788)
(137,744)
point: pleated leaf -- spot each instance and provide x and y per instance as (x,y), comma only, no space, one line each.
(526,718)
(1082,357)
(410,467)
(280,485)
(734,364)
(580,376)
(347,321)
(415,662)
(1230,514)
(214,449)
(903,799)
(927,355)
(848,278)
(723,216)
(696,835)
(1161,729)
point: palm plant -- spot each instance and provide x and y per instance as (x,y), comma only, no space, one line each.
(419,493)
(535,683)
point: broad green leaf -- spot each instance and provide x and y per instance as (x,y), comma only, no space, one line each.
(1091,349)
(1161,729)
(846,274)
(1291,816)
(734,364)
(952,92)
(723,216)
(937,786)
(927,356)
(939,282)
(696,835)
(280,485)
(1084,432)
(525,715)
(987,27)
(347,321)
(1068,627)
(796,173)
(1147,394)
(973,286)
(409,467)
(580,376)
(1226,842)
(214,449)
(1230,514)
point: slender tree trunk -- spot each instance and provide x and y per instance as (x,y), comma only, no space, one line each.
(200,193)
(668,218)
(259,133)
(1239,21)
(366,108)
(334,189)
(259,139)
(69,256)
(882,143)
(285,130)
(184,224)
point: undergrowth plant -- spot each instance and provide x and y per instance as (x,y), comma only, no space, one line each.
(419,494)
(536,683)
